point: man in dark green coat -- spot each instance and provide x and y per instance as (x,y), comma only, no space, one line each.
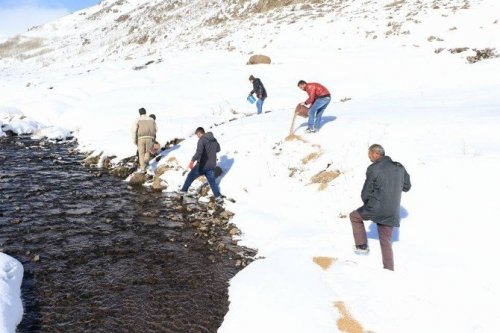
(381,195)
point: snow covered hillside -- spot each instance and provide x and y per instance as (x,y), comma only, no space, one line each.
(418,77)
(130,29)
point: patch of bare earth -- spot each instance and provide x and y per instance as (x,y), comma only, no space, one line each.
(161,170)
(324,178)
(17,45)
(324,262)
(346,323)
(395,3)
(263,6)
(483,54)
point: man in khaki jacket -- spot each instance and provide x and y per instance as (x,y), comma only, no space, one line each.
(143,133)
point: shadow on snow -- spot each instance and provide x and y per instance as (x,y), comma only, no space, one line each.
(324,120)
(372,230)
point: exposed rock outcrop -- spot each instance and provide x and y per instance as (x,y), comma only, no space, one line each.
(259,59)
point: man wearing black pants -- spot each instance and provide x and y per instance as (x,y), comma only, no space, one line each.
(381,195)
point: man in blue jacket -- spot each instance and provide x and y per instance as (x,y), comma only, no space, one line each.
(206,160)
(381,195)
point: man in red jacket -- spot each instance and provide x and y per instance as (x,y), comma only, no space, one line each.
(319,98)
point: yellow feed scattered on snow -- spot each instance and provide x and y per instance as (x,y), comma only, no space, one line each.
(346,323)
(324,178)
(324,262)
(310,157)
(292,137)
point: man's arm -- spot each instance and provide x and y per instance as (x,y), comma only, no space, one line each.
(311,92)
(253,90)
(199,151)
(407,182)
(134,131)
(367,187)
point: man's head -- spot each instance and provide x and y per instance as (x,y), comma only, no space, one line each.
(199,132)
(142,111)
(375,152)
(251,78)
(152,116)
(302,84)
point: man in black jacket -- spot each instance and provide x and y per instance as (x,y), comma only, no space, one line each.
(259,90)
(381,197)
(206,160)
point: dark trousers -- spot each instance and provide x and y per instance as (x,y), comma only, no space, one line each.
(195,173)
(384,235)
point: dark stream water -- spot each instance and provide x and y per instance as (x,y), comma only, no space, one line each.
(100,256)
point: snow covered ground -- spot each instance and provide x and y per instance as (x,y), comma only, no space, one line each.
(435,113)
(11,308)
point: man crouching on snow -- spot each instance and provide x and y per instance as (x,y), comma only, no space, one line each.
(206,160)
(143,132)
(381,197)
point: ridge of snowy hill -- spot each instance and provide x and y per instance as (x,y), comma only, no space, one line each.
(130,29)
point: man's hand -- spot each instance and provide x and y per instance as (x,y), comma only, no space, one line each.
(191,165)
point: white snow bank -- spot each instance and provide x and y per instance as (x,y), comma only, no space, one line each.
(13,119)
(11,308)
(52,133)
